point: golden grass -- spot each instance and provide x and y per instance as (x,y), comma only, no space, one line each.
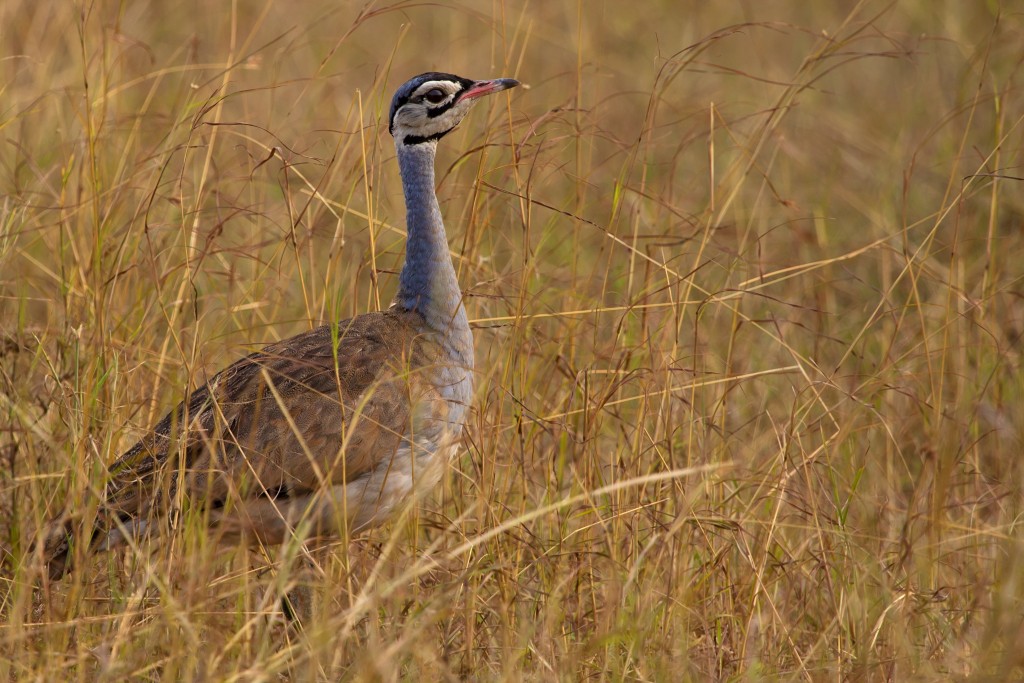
(748,286)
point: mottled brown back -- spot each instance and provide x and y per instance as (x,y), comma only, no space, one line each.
(323,408)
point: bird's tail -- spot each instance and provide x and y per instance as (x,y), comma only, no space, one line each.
(57,543)
(105,534)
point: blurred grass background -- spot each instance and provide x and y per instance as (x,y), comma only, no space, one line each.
(747,284)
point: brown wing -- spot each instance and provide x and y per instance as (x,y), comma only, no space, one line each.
(326,406)
(286,418)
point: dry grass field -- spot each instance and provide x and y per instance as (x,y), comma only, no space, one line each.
(747,280)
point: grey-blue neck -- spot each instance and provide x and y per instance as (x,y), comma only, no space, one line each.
(428,284)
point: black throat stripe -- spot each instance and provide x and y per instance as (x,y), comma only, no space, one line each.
(420,139)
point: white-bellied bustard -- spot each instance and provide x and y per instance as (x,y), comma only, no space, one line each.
(334,427)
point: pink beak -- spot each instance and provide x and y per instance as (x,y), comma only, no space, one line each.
(481,88)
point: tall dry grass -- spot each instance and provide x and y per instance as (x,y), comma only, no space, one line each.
(747,284)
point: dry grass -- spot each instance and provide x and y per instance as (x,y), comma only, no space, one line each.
(747,280)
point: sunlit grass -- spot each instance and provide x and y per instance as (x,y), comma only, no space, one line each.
(747,286)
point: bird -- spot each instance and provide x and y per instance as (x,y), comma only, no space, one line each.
(331,429)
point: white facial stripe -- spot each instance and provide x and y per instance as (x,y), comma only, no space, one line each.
(445,86)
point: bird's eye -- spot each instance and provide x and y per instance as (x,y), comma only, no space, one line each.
(435,96)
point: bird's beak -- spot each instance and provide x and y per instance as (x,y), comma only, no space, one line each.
(481,88)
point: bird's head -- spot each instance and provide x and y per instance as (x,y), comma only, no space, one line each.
(429,106)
